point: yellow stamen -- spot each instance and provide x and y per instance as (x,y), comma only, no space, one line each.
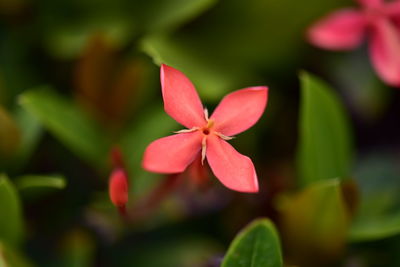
(210,123)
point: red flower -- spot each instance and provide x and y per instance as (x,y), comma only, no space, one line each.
(344,29)
(206,136)
(118,188)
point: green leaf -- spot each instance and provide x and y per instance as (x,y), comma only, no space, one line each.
(11,226)
(156,15)
(155,124)
(314,223)
(35,181)
(256,245)
(30,134)
(67,122)
(325,142)
(378,215)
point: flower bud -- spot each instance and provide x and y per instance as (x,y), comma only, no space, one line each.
(118,187)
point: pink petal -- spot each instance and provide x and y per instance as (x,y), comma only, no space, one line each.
(172,154)
(233,169)
(385,51)
(181,100)
(118,187)
(340,30)
(392,9)
(240,110)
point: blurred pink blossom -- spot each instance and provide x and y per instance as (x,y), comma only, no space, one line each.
(378,20)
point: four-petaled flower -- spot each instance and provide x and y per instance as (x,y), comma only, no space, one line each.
(206,136)
(344,29)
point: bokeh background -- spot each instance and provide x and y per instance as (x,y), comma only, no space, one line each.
(78,78)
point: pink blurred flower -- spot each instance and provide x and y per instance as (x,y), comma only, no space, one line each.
(118,188)
(206,136)
(379,20)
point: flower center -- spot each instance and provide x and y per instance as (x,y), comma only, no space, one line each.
(206,131)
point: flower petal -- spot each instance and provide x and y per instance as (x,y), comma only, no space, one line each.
(181,100)
(385,51)
(233,169)
(340,30)
(118,187)
(240,110)
(172,154)
(392,9)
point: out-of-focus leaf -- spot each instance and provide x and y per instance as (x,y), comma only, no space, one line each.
(155,124)
(314,223)
(9,134)
(69,124)
(222,50)
(378,215)
(38,181)
(32,187)
(30,133)
(156,15)
(256,245)
(11,224)
(325,142)
(12,258)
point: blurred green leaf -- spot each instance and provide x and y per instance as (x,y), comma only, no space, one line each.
(314,223)
(31,130)
(69,124)
(11,224)
(154,124)
(156,15)
(325,142)
(35,181)
(256,245)
(378,215)
(12,258)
